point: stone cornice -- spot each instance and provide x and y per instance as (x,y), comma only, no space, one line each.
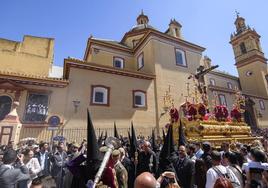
(255,96)
(147,33)
(242,35)
(76,63)
(251,59)
(231,91)
(222,89)
(224,75)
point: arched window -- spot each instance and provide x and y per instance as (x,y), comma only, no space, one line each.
(100,95)
(180,57)
(5,106)
(243,48)
(212,81)
(176,32)
(139,99)
(119,62)
(229,85)
(222,100)
(140,61)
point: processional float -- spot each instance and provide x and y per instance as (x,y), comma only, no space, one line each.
(204,121)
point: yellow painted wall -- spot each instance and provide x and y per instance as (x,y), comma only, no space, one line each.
(33,56)
(255,84)
(105,57)
(261,115)
(169,74)
(149,57)
(121,100)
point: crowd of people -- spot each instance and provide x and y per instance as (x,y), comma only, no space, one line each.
(138,162)
(260,132)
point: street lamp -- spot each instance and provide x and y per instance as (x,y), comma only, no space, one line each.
(76,104)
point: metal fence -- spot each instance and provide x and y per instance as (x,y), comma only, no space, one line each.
(77,135)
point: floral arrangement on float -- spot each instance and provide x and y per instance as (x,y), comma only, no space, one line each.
(236,115)
(221,113)
(196,112)
(174,115)
(238,108)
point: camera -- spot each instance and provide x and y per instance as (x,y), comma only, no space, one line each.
(166,181)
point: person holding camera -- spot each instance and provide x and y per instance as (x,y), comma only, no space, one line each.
(168,180)
(10,176)
(254,169)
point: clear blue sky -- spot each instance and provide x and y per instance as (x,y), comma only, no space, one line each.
(208,23)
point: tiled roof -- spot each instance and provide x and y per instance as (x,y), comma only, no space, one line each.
(141,26)
(30,76)
(112,42)
(223,73)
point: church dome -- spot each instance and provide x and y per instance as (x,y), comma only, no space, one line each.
(142,22)
(141,26)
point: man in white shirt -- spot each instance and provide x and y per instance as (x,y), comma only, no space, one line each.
(212,175)
(198,151)
(44,159)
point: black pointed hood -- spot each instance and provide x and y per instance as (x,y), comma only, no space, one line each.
(154,147)
(133,141)
(129,137)
(163,135)
(105,136)
(182,139)
(168,146)
(100,139)
(116,135)
(92,144)
(93,155)
(167,154)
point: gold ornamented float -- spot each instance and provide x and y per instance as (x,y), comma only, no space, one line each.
(214,132)
(201,122)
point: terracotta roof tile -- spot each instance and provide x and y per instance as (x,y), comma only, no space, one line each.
(24,75)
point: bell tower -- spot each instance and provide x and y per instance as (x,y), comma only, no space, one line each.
(249,59)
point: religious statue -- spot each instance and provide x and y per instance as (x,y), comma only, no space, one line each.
(199,76)
(14,113)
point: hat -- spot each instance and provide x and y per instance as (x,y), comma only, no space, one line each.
(75,145)
(116,153)
(206,144)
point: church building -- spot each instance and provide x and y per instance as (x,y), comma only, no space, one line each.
(132,80)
